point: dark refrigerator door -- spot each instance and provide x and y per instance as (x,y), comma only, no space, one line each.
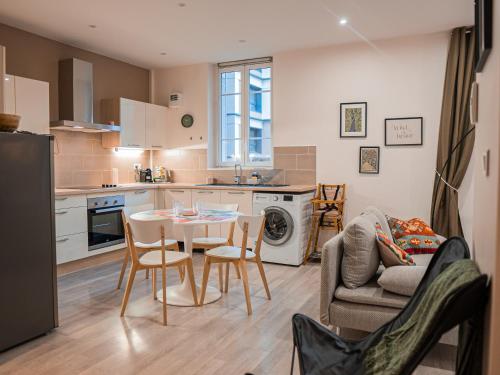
(28,279)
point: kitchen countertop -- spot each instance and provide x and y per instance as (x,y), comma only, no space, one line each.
(180,185)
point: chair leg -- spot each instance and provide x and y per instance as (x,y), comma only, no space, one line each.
(237,268)
(316,236)
(164,291)
(124,267)
(226,286)
(154,283)
(147,273)
(192,282)
(310,241)
(206,272)
(221,277)
(263,277)
(244,277)
(128,289)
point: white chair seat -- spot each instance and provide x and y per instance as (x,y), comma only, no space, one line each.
(153,258)
(153,245)
(210,240)
(230,252)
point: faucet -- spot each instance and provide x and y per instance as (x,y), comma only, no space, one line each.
(237,177)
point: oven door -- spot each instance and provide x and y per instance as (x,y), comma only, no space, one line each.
(105,227)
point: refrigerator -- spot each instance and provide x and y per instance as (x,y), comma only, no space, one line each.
(28,273)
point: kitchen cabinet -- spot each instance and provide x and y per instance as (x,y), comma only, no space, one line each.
(71,247)
(71,221)
(145,197)
(206,196)
(244,201)
(29,99)
(156,127)
(142,125)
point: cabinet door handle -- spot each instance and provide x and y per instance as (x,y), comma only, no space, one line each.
(133,145)
(140,192)
(157,146)
(236,192)
(61,198)
(177,191)
(61,212)
(62,239)
(205,192)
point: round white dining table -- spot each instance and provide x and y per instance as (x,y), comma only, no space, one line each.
(180,294)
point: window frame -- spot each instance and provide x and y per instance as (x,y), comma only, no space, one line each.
(244,69)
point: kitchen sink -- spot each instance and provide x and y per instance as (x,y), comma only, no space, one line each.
(244,185)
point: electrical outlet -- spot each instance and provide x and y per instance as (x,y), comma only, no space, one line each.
(137,165)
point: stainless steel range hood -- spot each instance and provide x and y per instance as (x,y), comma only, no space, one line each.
(76,99)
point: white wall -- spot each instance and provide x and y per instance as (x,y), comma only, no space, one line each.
(195,83)
(403,77)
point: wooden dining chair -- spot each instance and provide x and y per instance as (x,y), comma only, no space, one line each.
(328,214)
(170,243)
(207,242)
(152,232)
(252,227)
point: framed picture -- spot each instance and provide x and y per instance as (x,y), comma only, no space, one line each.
(404,131)
(353,120)
(483,27)
(369,159)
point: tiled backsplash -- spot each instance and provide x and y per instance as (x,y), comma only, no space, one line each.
(292,165)
(81,160)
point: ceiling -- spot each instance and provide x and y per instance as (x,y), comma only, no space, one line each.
(196,31)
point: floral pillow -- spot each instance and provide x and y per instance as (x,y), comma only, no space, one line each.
(391,254)
(414,236)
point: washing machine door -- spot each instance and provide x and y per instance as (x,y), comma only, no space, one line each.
(278,227)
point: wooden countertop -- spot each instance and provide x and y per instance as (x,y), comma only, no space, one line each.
(180,185)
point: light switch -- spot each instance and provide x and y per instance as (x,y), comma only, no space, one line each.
(486,163)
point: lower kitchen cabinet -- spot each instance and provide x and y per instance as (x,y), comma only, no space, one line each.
(71,247)
(244,201)
(140,197)
(71,221)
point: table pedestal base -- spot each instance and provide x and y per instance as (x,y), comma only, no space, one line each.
(181,295)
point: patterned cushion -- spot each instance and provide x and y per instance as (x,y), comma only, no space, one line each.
(414,236)
(390,253)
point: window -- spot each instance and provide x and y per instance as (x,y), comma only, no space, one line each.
(244,135)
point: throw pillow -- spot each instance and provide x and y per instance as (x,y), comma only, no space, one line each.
(401,279)
(360,260)
(414,236)
(390,253)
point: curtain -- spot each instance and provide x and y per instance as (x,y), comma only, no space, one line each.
(456,140)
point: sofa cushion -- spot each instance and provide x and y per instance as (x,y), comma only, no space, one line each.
(371,294)
(390,253)
(422,259)
(361,258)
(401,279)
(414,236)
(380,218)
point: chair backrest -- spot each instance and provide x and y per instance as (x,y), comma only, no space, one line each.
(150,231)
(252,227)
(330,195)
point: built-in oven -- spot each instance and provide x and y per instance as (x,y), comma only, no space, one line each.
(105,225)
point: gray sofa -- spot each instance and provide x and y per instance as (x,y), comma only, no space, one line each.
(354,312)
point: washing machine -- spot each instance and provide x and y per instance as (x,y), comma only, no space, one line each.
(287,226)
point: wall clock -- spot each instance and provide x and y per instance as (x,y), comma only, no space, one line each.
(187,121)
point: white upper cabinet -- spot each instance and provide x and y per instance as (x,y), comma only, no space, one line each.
(142,125)
(156,126)
(29,99)
(133,123)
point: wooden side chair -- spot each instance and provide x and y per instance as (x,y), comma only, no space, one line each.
(170,244)
(328,214)
(207,242)
(252,227)
(152,232)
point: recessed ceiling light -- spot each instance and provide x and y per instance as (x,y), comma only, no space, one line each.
(163,53)
(242,41)
(181,5)
(93,26)
(343,21)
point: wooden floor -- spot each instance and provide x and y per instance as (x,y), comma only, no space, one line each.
(218,338)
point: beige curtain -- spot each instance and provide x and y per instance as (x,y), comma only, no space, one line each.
(456,140)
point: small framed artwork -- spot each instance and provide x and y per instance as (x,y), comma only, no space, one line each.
(369,159)
(404,131)
(484,31)
(353,120)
